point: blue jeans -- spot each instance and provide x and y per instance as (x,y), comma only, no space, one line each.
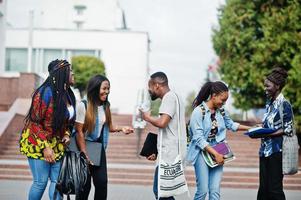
(207,179)
(41,171)
(155,187)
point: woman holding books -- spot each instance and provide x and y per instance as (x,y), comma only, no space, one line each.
(270,152)
(208,124)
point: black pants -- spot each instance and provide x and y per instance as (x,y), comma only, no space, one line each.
(100,180)
(271,178)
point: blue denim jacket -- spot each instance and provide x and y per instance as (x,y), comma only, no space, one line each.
(96,132)
(200,129)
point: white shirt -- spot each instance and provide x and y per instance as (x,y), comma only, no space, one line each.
(81,113)
(170,135)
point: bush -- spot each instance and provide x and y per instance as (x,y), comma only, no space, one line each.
(84,67)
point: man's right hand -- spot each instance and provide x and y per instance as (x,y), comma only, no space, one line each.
(49,155)
(145,115)
(152,157)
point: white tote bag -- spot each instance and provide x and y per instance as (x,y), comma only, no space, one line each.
(171,178)
(290,150)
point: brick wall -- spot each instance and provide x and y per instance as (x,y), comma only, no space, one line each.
(12,131)
(17,87)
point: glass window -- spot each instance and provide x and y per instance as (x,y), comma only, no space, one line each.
(83,53)
(50,55)
(16,59)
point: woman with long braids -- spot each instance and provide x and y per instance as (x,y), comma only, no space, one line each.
(270,152)
(46,130)
(93,123)
(208,124)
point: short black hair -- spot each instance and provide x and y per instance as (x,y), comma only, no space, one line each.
(159,77)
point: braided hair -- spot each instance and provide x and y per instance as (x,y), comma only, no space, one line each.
(278,76)
(208,90)
(58,82)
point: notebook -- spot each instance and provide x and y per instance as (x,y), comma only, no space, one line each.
(258,132)
(222,148)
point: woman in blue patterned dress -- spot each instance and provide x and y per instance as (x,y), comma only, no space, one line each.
(270,152)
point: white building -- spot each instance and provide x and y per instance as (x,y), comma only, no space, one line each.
(66,14)
(68,28)
(2,32)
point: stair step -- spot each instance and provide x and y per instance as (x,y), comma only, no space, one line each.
(145,176)
(121,157)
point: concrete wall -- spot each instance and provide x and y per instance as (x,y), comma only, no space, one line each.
(125,54)
(98,14)
(2,33)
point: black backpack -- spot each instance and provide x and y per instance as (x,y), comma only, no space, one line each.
(73,175)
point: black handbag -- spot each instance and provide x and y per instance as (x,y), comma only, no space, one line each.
(150,145)
(73,175)
(94,150)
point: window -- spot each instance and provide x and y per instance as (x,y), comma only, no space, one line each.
(79,9)
(83,52)
(50,55)
(16,59)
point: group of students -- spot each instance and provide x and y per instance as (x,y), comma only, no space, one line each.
(54,114)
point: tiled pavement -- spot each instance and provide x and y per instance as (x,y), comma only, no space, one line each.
(17,190)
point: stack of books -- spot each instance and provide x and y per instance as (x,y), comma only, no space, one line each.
(259,132)
(222,148)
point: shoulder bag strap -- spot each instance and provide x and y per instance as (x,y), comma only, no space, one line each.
(281,114)
(179,129)
(179,124)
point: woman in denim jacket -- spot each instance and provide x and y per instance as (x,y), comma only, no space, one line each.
(94,123)
(208,125)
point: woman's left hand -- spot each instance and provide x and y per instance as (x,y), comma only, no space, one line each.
(127,130)
(66,140)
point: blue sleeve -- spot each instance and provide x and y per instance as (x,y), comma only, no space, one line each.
(47,95)
(197,128)
(229,123)
(287,118)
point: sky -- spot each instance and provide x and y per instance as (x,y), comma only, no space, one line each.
(180,32)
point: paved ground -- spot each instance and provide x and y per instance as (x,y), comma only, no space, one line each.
(17,190)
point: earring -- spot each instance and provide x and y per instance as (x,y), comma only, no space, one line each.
(65,86)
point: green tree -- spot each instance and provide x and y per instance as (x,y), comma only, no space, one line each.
(252,38)
(189,100)
(84,67)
